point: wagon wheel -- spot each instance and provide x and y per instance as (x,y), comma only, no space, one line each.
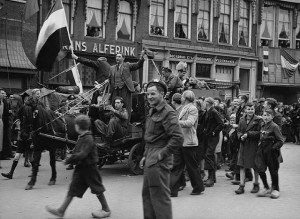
(135,155)
(101,162)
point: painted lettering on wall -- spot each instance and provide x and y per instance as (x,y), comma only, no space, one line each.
(102,48)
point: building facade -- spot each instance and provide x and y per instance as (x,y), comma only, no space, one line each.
(17,73)
(278,28)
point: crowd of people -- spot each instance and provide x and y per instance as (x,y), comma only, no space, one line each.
(187,138)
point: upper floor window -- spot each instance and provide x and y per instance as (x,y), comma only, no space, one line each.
(204,29)
(157,17)
(298,33)
(244,24)
(94,18)
(225,22)
(124,25)
(267,26)
(284,28)
(182,20)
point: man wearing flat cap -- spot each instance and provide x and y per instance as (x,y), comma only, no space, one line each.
(163,136)
(172,81)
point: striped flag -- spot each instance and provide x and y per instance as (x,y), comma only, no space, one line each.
(266,60)
(31,7)
(52,37)
(288,64)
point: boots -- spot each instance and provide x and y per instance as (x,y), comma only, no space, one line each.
(211,178)
(11,172)
(240,190)
(255,188)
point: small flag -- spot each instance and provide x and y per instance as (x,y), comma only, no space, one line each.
(266,60)
(52,37)
(73,77)
(31,7)
(288,64)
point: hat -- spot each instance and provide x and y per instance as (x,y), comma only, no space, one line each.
(102,59)
(166,69)
(210,100)
(160,83)
(261,100)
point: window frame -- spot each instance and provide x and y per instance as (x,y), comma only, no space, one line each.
(249,28)
(295,32)
(165,34)
(290,28)
(231,25)
(273,34)
(103,23)
(132,27)
(189,18)
(210,24)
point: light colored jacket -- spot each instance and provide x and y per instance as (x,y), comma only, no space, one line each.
(188,121)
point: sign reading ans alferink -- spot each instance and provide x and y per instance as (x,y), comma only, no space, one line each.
(103,48)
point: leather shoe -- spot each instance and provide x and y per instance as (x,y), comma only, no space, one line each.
(195,193)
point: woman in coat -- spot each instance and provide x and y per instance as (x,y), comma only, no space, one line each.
(188,121)
(248,134)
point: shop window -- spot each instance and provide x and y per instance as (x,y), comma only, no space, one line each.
(204,20)
(298,32)
(182,20)
(244,79)
(224,73)
(244,23)
(157,17)
(267,26)
(152,71)
(203,70)
(124,25)
(67,7)
(284,28)
(94,18)
(225,22)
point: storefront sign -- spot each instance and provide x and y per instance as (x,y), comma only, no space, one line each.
(225,60)
(205,58)
(103,48)
(174,55)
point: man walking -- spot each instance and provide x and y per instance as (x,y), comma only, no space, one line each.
(163,136)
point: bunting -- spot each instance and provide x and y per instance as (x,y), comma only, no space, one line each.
(289,65)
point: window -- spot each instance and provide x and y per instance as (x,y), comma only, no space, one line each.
(182,19)
(204,20)
(124,26)
(203,70)
(224,22)
(157,19)
(94,20)
(284,28)
(224,73)
(298,33)
(244,23)
(267,26)
(244,79)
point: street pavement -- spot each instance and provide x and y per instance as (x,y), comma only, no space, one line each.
(124,195)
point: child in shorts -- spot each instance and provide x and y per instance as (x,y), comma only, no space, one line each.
(86,174)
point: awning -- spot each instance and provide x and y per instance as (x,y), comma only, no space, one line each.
(12,55)
(221,84)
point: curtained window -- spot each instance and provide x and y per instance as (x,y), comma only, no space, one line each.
(124,25)
(267,26)
(298,32)
(157,17)
(224,21)
(182,19)
(284,28)
(204,20)
(244,23)
(94,18)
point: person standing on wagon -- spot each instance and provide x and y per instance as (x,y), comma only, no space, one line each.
(120,76)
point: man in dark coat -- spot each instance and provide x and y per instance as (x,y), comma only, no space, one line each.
(213,124)
(120,76)
(163,136)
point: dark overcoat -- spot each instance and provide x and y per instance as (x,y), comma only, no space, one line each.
(248,148)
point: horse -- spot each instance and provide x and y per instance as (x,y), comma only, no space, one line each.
(45,123)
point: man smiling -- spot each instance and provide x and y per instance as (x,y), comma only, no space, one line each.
(163,136)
